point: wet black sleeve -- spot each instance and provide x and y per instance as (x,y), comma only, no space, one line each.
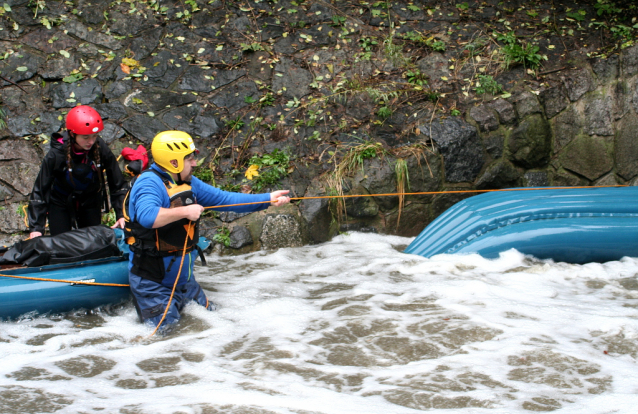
(115,178)
(40,195)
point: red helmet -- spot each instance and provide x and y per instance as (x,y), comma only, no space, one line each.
(84,120)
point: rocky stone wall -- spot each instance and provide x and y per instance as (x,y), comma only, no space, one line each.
(313,79)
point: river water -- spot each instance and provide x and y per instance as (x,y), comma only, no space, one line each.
(349,326)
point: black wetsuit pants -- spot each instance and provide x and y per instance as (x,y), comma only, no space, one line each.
(61,218)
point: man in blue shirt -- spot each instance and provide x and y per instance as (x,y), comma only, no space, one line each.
(162,212)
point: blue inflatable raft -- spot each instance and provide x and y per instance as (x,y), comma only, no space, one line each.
(22,295)
(579,225)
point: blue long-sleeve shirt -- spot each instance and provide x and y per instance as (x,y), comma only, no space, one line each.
(149,194)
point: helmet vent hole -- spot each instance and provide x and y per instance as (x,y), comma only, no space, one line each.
(170,147)
(184,145)
(87,124)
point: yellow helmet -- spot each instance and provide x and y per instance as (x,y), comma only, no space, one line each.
(172,145)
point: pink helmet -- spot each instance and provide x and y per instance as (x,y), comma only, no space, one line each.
(84,120)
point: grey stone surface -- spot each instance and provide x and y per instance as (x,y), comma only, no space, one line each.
(20,176)
(192,119)
(156,99)
(143,127)
(111,132)
(19,67)
(280,230)
(378,177)
(587,156)
(436,66)
(460,147)
(577,83)
(565,127)
(239,237)
(10,220)
(485,117)
(504,109)
(536,179)
(609,179)
(501,174)
(58,67)
(626,147)
(530,142)
(18,150)
(68,95)
(554,100)
(629,61)
(230,216)
(291,80)
(597,116)
(606,70)
(526,104)
(79,30)
(621,98)
(111,110)
(163,69)
(233,97)
(26,124)
(494,145)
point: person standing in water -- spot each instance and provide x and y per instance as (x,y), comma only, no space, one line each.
(70,188)
(162,212)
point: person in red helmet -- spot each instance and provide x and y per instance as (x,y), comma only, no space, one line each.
(70,188)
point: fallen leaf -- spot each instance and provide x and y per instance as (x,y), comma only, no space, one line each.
(252,171)
(125,68)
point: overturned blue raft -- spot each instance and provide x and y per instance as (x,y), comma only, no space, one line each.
(579,225)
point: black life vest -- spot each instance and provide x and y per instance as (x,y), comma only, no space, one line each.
(168,240)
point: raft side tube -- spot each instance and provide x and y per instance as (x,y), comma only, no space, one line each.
(569,220)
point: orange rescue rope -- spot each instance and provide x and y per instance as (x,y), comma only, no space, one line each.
(423,193)
(179,272)
(72,282)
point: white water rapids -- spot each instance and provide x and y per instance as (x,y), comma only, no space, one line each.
(349,326)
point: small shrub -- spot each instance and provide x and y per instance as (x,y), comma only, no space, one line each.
(487,84)
(271,167)
(384,112)
(222,236)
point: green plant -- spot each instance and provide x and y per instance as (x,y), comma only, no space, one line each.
(620,31)
(355,157)
(367,43)
(249,99)
(236,123)
(222,236)
(579,15)
(606,7)
(455,112)
(272,168)
(108,218)
(230,187)
(337,21)
(251,47)
(431,42)
(316,135)
(3,117)
(403,182)
(415,77)
(515,52)
(384,112)
(487,84)
(267,100)
(205,173)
